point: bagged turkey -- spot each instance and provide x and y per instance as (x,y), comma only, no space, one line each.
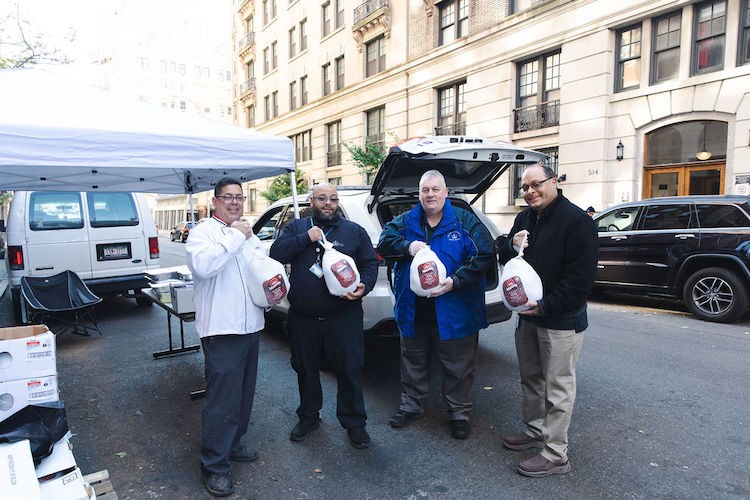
(426,272)
(520,283)
(339,270)
(269,284)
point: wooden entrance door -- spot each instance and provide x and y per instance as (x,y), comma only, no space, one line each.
(684,180)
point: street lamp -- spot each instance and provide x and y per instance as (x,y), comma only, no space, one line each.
(620,151)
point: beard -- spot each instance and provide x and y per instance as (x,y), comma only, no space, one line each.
(321,216)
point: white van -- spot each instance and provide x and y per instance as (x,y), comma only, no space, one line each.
(108,238)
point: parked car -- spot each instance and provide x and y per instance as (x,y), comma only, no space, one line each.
(180,231)
(470,166)
(693,248)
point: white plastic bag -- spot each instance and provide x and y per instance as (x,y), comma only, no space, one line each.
(339,270)
(426,272)
(520,283)
(269,284)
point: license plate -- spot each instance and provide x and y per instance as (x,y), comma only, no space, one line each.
(113,251)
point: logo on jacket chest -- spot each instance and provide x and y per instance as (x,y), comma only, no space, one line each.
(454,236)
(336,244)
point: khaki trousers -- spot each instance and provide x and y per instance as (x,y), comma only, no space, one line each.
(547,362)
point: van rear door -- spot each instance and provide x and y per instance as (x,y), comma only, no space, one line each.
(117,243)
(56,228)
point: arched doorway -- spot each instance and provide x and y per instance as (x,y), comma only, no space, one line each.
(685,158)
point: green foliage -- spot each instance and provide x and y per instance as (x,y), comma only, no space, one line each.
(367,159)
(21,47)
(281,186)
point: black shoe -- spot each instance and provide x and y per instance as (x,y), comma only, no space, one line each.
(243,455)
(359,437)
(403,418)
(219,485)
(460,429)
(304,427)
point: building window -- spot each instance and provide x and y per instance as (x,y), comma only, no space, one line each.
(666,60)
(552,162)
(275,103)
(375,56)
(252,199)
(454,20)
(302,146)
(266,65)
(628,70)
(292,42)
(333,143)
(292,96)
(326,78)
(303,35)
(744,48)
(451,110)
(339,66)
(709,31)
(303,90)
(326,19)
(267,107)
(339,13)
(273,9)
(336,181)
(538,93)
(375,126)
(266,13)
(274,55)
(250,116)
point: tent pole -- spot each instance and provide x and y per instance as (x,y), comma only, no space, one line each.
(293,182)
(191,217)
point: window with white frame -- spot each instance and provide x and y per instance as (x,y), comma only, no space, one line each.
(250,111)
(339,69)
(326,26)
(275,103)
(375,56)
(628,70)
(303,90)
(333,143)
(744,49)
(339,20)
(451,118)
(538,93)
(292,42)
(274,55)
(709,32)
(375,126)
(665,62)
(293,95)
(303,35)
(266,62)
(454,20)
(267,107)
(326,78)
(302,145)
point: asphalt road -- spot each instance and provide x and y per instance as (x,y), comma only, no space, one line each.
(661,413)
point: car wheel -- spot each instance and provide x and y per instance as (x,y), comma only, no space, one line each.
(715,294)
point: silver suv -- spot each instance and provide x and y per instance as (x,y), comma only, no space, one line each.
(470,166)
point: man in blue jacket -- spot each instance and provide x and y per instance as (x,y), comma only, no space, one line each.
(561,246)
(450,319)
(321,324)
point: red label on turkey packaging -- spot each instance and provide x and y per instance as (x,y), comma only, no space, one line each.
(274,289)
(514,292)
(344,273)
(428,275)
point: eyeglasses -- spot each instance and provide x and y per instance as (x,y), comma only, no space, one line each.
(535,185)
(323,199)
(228,198)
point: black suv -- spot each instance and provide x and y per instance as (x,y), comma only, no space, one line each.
(694,248)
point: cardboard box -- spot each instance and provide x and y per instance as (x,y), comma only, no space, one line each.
(17,477)
(17,394)
(26,352)
(182,298)
(71,486)
(61,459)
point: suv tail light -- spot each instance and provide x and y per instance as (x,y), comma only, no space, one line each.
(381,260)
(153,247)
(15,258)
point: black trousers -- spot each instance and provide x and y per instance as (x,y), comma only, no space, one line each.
(231,372)
(339,338)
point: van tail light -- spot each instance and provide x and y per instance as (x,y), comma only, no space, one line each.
(15,258)
(153,247)
(381,260)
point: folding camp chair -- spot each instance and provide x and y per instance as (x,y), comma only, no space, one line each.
(63,297)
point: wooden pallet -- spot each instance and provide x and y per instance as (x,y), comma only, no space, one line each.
(101,484)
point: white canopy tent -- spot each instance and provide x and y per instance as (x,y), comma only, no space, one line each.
(60,135)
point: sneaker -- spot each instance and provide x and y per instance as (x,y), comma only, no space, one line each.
(403,418)
(460,429)
(304,427)
(219,485)
(358,437)
(243,455)
(538,466)
(522,442)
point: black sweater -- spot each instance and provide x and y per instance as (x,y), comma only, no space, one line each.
(563,250)
(308,294)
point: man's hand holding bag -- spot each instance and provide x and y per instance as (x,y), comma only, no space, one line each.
(520,283)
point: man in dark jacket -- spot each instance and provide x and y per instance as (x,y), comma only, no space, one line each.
(450,319)
(321,324)
(560,242)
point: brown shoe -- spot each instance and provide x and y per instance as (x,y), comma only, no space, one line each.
(538,466)
(522,442)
